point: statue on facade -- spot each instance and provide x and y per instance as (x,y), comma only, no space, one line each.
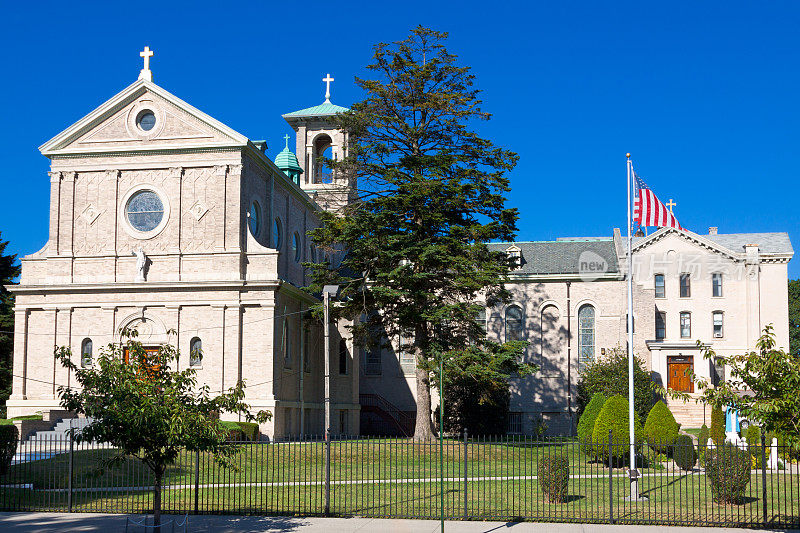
(141,264)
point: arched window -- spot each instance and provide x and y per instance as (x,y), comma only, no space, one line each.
(277,232)
(322,147)
(195,352)
(296,247)
(585,335)
(514,327)
(254,218)
(86,353)
(312,253)
(343,356)
(286,342)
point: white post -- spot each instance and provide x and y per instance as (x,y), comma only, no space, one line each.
(632,429)
(326,301)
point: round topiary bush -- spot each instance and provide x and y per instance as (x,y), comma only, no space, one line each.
(586,422)
(717,425)
(728,472)
(553,473)
(613,417)
(683,452)
(660,428)
(9,436)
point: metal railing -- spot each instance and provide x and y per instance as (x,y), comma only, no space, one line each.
(483,478)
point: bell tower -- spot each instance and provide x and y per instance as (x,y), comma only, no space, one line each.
(317,139)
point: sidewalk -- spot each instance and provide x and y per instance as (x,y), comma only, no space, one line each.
(109,523)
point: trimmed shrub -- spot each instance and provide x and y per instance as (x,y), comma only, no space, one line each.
(660,428)
(249,430)
(683,452)
(586,422)
(728,472)
(614,417)
(753,438)
(609,376)
(717,425)
(9,436)
(553,473)
(702,442)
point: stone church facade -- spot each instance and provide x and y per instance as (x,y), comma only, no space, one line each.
(166,220)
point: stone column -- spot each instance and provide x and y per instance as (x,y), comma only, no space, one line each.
(61,376)
(20,363)
(55,208)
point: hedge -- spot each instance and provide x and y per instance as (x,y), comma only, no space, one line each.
(660,428)
(586,422)
(728,472)
(9,437)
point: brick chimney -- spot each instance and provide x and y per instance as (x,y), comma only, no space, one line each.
(712,230)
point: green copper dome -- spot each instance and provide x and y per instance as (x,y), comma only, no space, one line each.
(286,160)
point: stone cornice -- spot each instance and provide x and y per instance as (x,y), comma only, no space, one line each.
(148,286)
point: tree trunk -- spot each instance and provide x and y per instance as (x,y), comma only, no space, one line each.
(423,430)
(157,503)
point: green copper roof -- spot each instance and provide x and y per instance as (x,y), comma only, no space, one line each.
(317,111)
(286,160)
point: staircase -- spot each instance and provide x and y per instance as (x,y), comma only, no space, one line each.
(60,431)
(381,417)
(690,414)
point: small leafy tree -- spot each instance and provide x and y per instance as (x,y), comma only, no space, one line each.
(146,410)
(773,377)
(430,197)
(609,376)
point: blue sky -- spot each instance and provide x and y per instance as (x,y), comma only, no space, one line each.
(703,94)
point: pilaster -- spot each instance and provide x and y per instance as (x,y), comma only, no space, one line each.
(20,363)
(55,210)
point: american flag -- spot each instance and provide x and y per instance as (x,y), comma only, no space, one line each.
(648,209)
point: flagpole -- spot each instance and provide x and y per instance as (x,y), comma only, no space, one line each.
(631,428)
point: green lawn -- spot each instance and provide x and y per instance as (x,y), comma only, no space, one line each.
(399,479)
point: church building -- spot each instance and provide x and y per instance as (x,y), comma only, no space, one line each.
(165,220)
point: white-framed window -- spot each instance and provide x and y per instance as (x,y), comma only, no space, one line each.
(686,324)
(404,346)
(658,282)
(87,347)
(661,325)
(515,255)
(195,352)
(716,284)
(144,211)
(481,320)
(686,286)
(515,423)
(515,330)
(373,365)
(586,337)
(716,318)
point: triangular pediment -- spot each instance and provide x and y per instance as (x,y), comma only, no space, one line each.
(685,235)
(115,126)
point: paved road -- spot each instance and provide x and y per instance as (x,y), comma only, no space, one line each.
(109,523)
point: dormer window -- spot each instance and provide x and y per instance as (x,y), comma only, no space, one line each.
(515,255)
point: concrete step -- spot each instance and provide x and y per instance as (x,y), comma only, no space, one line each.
(60,430)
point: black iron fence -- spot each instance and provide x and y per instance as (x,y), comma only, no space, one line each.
(469,478)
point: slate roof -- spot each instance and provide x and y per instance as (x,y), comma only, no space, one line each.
(769,243)
(562,256)
(317,111)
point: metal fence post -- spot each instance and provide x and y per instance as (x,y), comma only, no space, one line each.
(610,477)
(764,474)
(465,474)
(197,482)
(71,469)
(328,472)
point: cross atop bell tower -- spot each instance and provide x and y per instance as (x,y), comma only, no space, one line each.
(327,79)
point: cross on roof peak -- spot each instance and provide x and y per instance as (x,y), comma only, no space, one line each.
(145,73)
(287,140)
(671,204)
(327,79)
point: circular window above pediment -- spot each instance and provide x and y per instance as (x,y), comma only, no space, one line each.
(146,120)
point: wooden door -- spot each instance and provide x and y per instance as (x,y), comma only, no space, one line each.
(678,376)
(149,350)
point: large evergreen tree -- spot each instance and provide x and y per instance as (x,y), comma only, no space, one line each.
(430,196)
(794,317)
(9,270)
